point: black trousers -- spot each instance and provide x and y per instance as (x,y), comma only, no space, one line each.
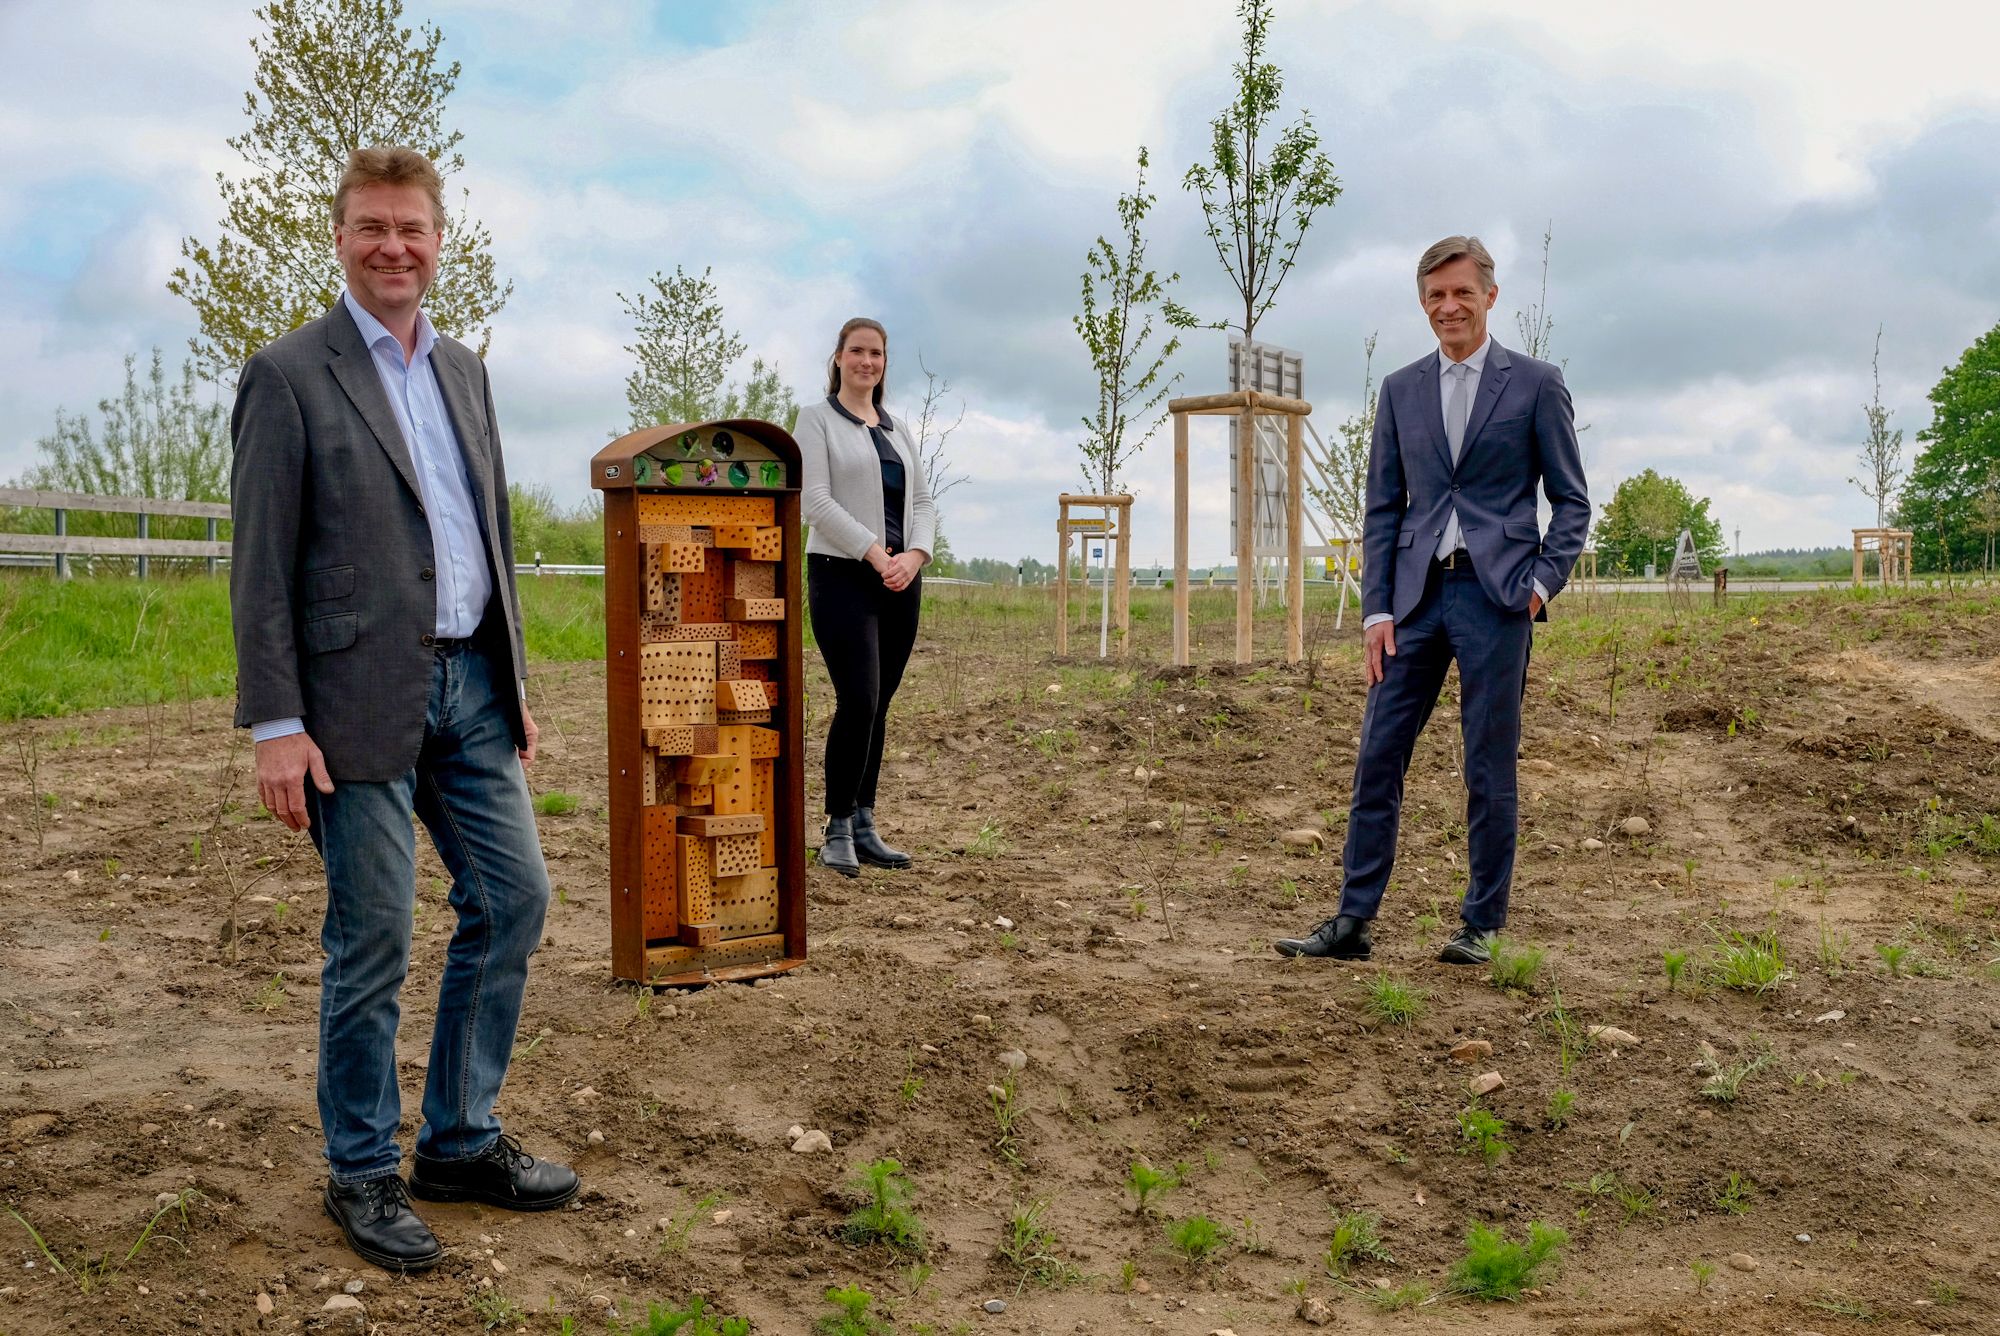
(865,633)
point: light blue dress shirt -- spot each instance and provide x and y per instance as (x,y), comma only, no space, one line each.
(458,551)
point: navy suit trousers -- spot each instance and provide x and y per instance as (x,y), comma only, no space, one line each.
(1454,621)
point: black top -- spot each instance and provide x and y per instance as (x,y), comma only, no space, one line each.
(892,472)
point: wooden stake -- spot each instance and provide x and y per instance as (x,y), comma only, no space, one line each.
(1180,539)
(1295,539)
(1246,522)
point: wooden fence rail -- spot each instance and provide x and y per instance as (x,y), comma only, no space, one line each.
(62,545)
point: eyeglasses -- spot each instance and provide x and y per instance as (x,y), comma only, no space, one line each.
(409,233)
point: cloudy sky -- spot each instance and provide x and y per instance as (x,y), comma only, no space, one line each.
(1740,193)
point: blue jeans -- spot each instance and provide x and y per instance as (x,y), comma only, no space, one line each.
(1455,620)
(468,789)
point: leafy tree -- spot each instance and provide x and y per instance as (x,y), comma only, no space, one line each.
(1129,376)
(1258,201)
(1961,452)
(1882,451)
(1986,511)
(561,536)
(332,76)
(1647,513)
(158,438)
(685,352)
(1344,499)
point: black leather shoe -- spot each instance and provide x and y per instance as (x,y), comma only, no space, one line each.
(1468,946)
(381,1225)
(504,1175)
(868,843)
(1344,937)
(836,851)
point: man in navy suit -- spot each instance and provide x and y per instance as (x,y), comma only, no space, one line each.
(1455,566)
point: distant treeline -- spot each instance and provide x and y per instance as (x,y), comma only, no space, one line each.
(1792,563)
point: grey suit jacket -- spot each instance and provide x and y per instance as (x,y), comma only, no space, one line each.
(1520,435)
(331,584)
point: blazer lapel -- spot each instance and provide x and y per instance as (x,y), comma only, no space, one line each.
(353,366)
(1430,408)
(1491,381)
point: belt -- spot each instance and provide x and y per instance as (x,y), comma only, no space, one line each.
(1459,559)
(445,642)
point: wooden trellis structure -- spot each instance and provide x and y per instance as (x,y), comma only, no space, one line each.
(1115,527)
(1245,405)
(1893,549)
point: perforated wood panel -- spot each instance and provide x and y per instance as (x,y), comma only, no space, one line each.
(768,545)
(649,779)
(677,683)
(747,905)
(764,797)
(711,825)
(701,595)
(743,716)
(657,627)
(684,740)
(764,743)
(741,694)
(659,879)
(694,862)
(708,768)
(752,579)
(728,663)
(755,609)
(654,572)
(757,640)
(723,955)
(735,535)
(736,855)
(682,508)
(756,670)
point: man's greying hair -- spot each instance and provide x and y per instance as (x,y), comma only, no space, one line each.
(389,165)
(1454,248)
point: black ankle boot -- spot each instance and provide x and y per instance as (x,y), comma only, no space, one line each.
(836,851)
(869,844)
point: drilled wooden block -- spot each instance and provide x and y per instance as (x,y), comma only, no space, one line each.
(676,683)
(649,779)
(705,769)
(741,694)
(748,743)
(709,827)
(764,800)
(659,627)
(659,873)
(764,743)
(735,854)
(701,595)
(752,579)
(728,661)
(748,904)
(733,796)
(683,740)
(688,558)
(694,863)
(768,545)
(662,962)
(655,577)
(735,535)
(685,508)
(756,670)
(695,797)
(754,609)
(742,716)
(757,640)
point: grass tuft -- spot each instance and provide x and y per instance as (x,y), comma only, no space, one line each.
(1496,1267)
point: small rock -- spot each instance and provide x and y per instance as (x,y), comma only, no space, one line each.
(342,1303)
(1592,845)
(1303,838)
(1635,825)
(1157,827)
(1315,1312)
(1142,774)
(928,1048)
(1827,1017)
(1613,1037)
(996,1092)
(1486,1083)
(149,1129)
(354,1286)
(722,1217)
(342,1313)
(1471,1050)
(585,1094)
(1803,1238)
(984,1020)
(794,1132)
(1223,1331)
(265,1306)
(600,1301)
(995,1305)
(596,1138)
(1014,1060)
(1003,923)
(814,1142)
(1541,766)
(1742,1262)
(1142,1286)
(500,1267)
(1052,689)
(904,920)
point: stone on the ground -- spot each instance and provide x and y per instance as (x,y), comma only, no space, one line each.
(1315,1312)
(1613,1037)
(1592,844)
(265,1306)
(1742,1261)
(1142,774)
(1156,826)
(1486,1083)
(596,1138)
(584,1094)
(1635,825)
(814,1142)
(1827,1017)
(354,1286)
(1003,923)
(794,1132)
(1052,689)
(1803,1238)
(995,1305)
(1303,838)
(1014,1060)
(905,920)
(341,1313)
(1471,1050)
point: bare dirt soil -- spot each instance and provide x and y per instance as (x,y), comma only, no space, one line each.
(1819,771)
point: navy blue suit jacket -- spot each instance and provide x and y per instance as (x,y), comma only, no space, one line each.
(1520,433)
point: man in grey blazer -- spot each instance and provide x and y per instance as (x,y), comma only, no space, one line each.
(1455,566)
(379,656)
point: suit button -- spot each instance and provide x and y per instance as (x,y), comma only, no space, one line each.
(429,639)
(1454,487)
(1437,533)
(426,574)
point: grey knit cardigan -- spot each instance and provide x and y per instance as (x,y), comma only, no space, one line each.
(843,485)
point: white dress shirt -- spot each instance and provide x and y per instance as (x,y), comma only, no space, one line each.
(1454,537)
(464,583)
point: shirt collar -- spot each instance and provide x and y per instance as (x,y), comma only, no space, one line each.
(1475,363)
(880,412)
(373,331)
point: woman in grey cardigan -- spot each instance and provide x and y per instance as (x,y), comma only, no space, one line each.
(868,506)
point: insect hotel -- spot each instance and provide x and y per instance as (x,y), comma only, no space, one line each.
(703,561)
